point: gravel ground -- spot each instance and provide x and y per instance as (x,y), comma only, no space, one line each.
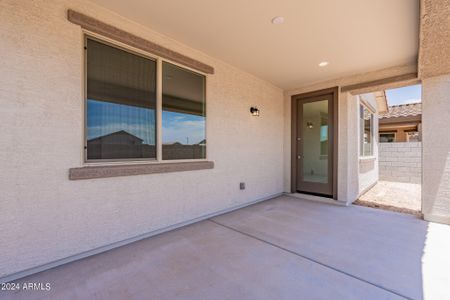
(395,196)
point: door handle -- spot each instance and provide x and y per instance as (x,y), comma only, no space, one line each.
(299,157)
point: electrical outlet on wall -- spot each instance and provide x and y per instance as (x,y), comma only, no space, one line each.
(242,185)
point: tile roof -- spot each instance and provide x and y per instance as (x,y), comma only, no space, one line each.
(404,110)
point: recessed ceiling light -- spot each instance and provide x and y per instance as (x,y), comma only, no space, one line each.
(323,64)
(277,20)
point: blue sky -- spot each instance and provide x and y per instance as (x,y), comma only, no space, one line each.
(105,118)
(404,95)
(182,128)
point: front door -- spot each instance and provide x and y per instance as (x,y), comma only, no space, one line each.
(314,144)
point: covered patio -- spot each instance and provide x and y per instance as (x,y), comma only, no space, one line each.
(285,248)
(215,149)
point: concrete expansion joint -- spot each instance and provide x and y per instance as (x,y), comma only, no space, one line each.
(306,257)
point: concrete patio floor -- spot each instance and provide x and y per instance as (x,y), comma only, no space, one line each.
(284,248)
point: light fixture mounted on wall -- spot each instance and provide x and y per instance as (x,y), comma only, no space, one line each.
(254,111)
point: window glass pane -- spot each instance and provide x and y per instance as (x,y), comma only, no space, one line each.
(366,130)
(315,141)
(413,136)
(121,101)
(387,137)
(323,135)
(184,114)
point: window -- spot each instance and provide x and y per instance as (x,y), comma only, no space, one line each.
(366,131)
(121,107)
(413,136)
(183,114)
(387,137)
(121,101)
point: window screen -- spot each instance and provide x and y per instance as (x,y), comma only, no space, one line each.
(121,102)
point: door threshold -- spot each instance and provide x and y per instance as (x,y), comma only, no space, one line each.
(316,198)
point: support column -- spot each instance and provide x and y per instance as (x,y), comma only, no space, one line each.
(436,149)
(348,184)
(434,71)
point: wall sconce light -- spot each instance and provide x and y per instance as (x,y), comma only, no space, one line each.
(254,111)
(309,125)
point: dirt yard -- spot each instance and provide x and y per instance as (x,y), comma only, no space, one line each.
(395,196)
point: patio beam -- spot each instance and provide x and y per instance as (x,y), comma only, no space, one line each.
(109,31)
(382,84)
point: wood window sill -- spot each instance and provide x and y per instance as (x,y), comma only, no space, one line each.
(92,172)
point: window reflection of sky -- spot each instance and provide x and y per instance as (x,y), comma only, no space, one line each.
(182,128)
(105,117)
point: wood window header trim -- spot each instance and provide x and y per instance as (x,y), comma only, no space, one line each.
(127,38)
(91,172)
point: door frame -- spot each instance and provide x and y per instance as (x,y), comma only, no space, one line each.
(294,120)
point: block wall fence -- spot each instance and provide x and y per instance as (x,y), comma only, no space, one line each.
(401,162)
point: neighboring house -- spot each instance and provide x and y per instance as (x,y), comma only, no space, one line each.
(73,67)
(117,144)
(114,145)
(401,123)
(118,137)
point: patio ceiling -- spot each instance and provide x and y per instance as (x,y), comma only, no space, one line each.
(354,36)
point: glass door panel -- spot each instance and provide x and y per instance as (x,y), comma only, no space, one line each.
(314,165)
(315,141)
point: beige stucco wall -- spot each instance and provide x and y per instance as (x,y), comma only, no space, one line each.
(434,54)
(46,217)
(436,149)
(368,168)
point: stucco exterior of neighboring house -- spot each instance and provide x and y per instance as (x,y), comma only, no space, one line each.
(401,123)
(59,205)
